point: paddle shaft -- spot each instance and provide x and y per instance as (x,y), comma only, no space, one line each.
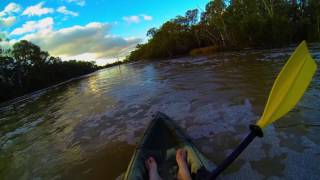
(255,131)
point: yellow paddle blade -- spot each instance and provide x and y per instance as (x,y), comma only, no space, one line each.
(289,86)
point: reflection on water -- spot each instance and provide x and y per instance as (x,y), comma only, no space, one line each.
(87,128)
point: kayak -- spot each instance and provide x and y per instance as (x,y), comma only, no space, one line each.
(161,140)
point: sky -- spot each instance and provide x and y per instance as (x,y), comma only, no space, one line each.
(101,30)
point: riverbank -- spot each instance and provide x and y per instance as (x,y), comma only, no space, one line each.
(25,96)
(26,68)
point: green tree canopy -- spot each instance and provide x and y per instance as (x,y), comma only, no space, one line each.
(234,24)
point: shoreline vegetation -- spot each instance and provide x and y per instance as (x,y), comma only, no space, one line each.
(25,69)
(226,25)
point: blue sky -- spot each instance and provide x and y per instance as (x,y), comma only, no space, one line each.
(92,30)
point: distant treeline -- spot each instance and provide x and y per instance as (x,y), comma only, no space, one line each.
(234,24)
(26,68)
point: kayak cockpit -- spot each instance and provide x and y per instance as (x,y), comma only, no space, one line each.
(161,140)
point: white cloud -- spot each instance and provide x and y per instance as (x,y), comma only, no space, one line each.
(146,17)
(65,11)
(7,21)
(78,2)
(10,9)
(93,39)
(6,15)
(90,57)
(136,19)
(37,10)
(131,19)
(34,26)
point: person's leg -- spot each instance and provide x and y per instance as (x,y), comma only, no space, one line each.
(152,167)
(183,172)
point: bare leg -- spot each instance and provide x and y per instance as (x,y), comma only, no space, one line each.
(152,167)
(183,172)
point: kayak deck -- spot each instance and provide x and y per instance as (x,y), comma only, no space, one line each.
(161,140)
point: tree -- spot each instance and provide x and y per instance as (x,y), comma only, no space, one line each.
(27,53)
(151,32)
(192,16)
(26,68)
(229,24)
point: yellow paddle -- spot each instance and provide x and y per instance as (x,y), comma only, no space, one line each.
(289,86)
(287,90)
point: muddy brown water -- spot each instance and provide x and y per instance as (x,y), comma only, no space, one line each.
(88,128)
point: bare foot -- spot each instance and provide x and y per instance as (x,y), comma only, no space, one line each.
(183,172)
(152,167)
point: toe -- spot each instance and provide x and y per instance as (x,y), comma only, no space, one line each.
(181,153)
(152,160)
(148,163)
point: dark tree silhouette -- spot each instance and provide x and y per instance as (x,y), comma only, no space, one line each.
(26,68)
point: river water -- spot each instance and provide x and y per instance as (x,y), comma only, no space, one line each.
(88,128)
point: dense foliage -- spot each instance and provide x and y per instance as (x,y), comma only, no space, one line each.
(234,24)
(26,68)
